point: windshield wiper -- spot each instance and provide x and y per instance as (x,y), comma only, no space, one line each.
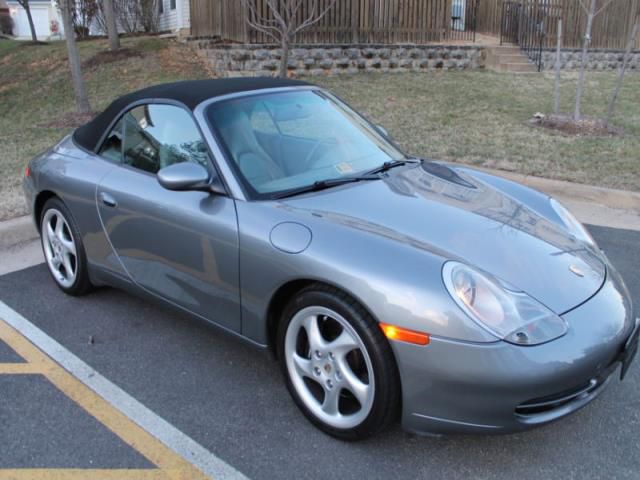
(392,164)
(324,184)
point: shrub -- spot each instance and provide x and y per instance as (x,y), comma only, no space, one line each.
(6,24)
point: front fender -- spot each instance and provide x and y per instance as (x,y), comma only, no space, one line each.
(399,284)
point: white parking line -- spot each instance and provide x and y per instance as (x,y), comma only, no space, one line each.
(166,433)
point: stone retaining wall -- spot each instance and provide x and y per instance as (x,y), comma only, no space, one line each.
(251,60)
(598,59)
(248,60)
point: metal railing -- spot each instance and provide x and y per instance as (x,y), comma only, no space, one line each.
(509,22)
(464,19)
(524,23)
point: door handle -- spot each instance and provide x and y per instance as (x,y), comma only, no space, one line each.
(108,200)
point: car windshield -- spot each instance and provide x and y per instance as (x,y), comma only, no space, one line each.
(280,142)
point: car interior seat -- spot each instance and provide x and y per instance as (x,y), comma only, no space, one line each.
(254,162)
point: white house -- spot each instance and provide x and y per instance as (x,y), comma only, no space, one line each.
(173,17)
(45,15)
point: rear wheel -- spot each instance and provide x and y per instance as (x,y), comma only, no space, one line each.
(338,365)
(63,249)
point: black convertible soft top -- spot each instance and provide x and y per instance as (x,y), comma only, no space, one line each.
(190,93)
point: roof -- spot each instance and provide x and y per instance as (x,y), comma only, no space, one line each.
(189,93)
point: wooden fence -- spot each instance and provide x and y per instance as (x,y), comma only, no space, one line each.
(349,21)
(611,28)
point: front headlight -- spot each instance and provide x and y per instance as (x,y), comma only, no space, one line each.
(509,315)
(572,224)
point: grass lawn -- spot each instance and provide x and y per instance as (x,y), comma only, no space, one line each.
(35,92)
(474,117)
(481,118)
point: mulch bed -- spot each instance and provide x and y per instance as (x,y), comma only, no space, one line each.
(586,127)
(108,56)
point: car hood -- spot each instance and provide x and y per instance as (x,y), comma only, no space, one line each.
(452,214)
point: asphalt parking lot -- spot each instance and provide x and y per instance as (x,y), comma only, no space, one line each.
(231,400)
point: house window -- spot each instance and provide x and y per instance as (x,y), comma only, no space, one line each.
(161,7)
(173,4)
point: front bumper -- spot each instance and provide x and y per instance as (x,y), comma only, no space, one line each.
(459,387)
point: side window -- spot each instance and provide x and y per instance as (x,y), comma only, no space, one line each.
(112,146)
(155,136)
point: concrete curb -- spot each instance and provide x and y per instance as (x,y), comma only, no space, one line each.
(593,205)
(16,231)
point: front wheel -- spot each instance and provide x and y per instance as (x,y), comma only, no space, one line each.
(338,365)
(63,249)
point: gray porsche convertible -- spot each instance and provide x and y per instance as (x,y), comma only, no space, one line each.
(387,286)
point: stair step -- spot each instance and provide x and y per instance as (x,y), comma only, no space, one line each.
(518,67)
(504,50)
(512,58)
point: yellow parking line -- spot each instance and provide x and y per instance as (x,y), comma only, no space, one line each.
(20,368)
(171,465)
(81,474)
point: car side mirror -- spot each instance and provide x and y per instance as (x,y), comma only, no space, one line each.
(187,176)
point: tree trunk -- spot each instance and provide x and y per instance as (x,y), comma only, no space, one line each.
(27,8)
(112,28)
(577,115)
(284,58)
(82,100)
(556,103)
(623,69)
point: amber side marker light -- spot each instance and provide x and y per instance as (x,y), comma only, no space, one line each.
(404,335)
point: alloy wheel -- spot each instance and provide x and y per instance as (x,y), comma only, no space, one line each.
(59,248)
(329,367)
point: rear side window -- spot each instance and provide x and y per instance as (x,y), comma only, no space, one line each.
(151,137)
(112,146)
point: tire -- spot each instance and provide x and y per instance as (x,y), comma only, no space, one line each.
(63,249)
(342,375)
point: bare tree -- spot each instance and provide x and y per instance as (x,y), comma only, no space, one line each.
(150,15)
(625,62)
(556,102)
(128,12)
(84,11)
(82,100)
(110,24)
(25,4)
(591,13)
(286,18)
(82,14)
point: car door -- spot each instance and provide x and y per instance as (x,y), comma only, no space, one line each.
(181,246)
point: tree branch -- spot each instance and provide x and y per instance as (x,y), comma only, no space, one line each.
(606,4)
(269,27)
(584,7)
(314,18)
(273,7)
